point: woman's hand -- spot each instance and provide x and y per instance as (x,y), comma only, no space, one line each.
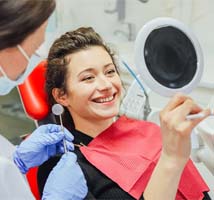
(176,129)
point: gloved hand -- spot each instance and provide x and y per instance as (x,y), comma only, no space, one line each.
(44,142)
(66,181)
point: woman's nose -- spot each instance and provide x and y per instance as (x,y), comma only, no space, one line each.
(104,83)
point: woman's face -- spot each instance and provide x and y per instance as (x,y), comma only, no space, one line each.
(93,85)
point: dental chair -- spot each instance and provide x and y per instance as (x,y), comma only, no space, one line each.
(33,97)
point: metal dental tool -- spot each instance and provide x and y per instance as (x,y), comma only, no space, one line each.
(57,109)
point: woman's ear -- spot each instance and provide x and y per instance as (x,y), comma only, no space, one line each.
(60,97)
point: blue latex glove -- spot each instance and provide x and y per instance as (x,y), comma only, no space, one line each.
(44,142)
(66,181)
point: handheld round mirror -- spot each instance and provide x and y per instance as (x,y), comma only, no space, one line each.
(168,57)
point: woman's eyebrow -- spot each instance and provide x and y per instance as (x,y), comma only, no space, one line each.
(86,70)
(108,64)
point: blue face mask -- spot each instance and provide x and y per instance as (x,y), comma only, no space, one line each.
(6,84)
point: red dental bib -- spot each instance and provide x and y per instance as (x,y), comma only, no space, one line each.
(127,153)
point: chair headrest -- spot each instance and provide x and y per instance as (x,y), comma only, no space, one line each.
(33,95)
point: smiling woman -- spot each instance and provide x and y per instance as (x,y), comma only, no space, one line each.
(117,157)
(95,81)
(84,68)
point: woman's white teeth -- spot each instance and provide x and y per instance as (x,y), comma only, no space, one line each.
(103,100)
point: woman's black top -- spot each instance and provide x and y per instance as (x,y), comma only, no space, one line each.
(99,185)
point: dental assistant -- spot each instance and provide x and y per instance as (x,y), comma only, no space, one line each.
(22,31)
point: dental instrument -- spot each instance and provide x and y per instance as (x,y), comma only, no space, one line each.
(57,109)
(195,116)
(201,115)
(131,95)
(198,115)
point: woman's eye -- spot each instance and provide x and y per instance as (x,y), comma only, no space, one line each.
(112,71)
(88,78)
